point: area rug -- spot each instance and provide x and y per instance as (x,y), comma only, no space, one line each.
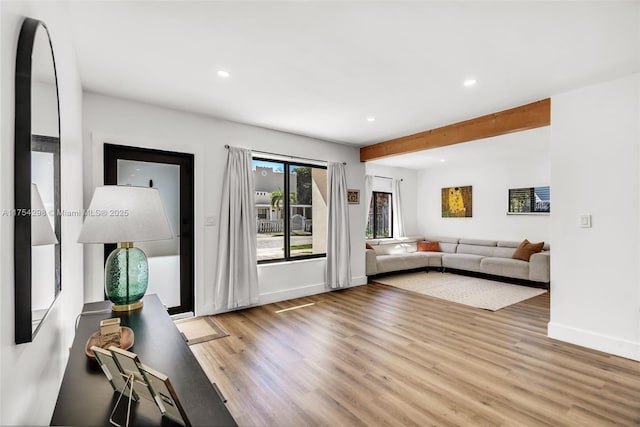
(472,291)
(200,329)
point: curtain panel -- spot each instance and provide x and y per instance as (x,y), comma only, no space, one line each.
(368,194)
(398,222)
(237,275)
(338,234)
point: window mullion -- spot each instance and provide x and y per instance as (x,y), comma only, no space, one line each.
(287,212)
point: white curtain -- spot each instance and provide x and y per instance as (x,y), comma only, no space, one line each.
(338,235)
(398,222)
(237,276)
(368,194)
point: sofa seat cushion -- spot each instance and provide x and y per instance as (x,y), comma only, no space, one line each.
(426,259)
(467,262)
(398,262)
(505,267)
(393,262)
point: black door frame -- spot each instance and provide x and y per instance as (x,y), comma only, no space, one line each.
(112,153)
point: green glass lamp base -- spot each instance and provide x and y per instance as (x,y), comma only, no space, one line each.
(126,276)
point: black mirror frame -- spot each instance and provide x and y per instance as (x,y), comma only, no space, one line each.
(22,183)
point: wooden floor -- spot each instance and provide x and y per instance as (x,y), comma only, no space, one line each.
(379,356)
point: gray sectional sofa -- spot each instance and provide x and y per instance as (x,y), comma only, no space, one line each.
(489,257)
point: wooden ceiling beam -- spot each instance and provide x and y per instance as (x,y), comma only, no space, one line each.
(529,116)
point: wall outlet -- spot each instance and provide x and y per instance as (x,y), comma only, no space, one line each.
(211,221)
(585,220)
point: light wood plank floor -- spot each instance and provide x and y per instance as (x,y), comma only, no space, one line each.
(380,356)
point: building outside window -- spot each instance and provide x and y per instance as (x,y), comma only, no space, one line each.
(291,210)
(379,223)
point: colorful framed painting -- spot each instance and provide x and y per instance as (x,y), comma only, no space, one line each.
(457,202)
(530,201)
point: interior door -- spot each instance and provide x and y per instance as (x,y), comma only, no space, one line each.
(171,268)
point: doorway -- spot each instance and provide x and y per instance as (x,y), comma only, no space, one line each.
(171,262)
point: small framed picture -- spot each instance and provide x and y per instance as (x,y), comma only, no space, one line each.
(112,371)
(353,197)
(130,364)
(165,396)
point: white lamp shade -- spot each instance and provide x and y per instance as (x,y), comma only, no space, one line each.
(41,230)
(125,214)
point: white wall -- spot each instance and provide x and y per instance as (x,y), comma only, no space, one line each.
(595,290)
(30,374)
(491,182)
(131,123)
(408,191)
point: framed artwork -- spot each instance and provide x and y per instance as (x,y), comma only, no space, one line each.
(165,396)
(118,365)
(353,197)
(112,371)
(457,202)
(530,201)
(129,364)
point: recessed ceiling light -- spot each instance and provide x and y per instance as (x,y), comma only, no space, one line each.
(371,119)
(222,73)
(469,82)
(442,160)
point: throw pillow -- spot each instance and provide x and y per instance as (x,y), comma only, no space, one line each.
(526,249)
(368,246)
(428,247)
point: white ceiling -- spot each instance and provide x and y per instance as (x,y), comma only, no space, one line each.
(320,68)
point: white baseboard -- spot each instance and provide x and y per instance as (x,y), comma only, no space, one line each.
(581,337)
(360,280)
(304,291)
(286,294)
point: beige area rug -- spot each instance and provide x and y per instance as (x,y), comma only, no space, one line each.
(200,329)
(472,291)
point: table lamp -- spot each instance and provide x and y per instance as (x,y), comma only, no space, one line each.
(125,214)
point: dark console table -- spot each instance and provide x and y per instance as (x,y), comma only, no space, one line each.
(86,398)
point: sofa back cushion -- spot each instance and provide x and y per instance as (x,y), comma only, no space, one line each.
(478,242)
(395,246)
(512,244)
(449,248)
(475,250)
(503,252)
(447,244)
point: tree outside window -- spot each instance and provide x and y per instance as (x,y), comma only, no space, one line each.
(292,227)
(380,220)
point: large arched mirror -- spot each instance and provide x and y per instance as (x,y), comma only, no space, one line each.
(37,181)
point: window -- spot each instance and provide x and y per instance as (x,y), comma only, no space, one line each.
(291,210)
(379,224)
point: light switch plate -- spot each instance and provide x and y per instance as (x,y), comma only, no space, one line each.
(585,220)
(211,221)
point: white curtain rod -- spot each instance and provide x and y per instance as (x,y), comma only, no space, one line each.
(285,156)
